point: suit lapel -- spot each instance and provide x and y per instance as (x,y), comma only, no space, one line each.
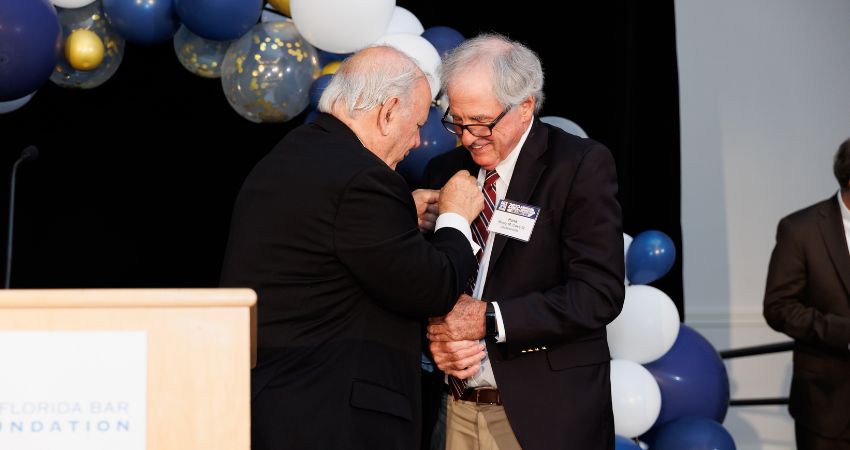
(523,181)
(832,231)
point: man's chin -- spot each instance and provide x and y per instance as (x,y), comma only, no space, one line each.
(485,160)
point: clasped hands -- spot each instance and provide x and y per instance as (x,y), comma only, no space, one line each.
(455,345)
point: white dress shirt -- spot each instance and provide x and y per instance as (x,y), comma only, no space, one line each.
(505,169)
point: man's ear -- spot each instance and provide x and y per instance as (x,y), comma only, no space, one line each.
(526,108)
(389,110)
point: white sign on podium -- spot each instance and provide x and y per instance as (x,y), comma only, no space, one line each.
(73,390)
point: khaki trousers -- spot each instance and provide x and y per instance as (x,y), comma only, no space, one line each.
(470,426)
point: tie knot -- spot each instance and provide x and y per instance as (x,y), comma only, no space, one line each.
(490,177)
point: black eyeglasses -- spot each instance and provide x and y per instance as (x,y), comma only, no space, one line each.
(475,129)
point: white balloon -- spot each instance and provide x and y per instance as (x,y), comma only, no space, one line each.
(403,21)
(627,241)
(646,328)
(565,124)
(11,105)
(418,48)
(635,398)
(341,26)
(72,3)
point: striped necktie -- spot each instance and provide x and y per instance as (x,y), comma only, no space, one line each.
(479,234)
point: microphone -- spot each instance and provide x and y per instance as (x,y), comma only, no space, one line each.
(28,154)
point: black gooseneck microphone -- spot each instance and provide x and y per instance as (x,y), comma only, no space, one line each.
(28,154)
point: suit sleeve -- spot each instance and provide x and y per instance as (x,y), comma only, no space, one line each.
(591,243)
(377,238)
(785,308)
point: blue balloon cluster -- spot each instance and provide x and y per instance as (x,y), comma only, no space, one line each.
(311,116)
(621,443)
(693,382)
(219,20)
(328,57)
(693,433)
(30,42)
(444,39)
(147,22)
(650,256)
(317,88)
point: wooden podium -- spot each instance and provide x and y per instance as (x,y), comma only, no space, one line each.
(200,348)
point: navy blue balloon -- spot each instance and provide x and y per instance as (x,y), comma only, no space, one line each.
(444,39)
(327,57)
(434,140)
(317,88)
(621,443)
(147,22)
(311,116)
(693,433)
(692,379)
(30,42)
(650,256)
(219,20)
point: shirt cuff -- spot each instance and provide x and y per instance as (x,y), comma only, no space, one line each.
(500,325)
(456,221)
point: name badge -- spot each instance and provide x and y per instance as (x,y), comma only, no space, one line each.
(514,220)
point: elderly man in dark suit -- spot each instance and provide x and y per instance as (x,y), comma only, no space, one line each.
(808,298)
(550,274)
(326,232)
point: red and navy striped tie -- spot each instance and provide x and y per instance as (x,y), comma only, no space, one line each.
(479,234)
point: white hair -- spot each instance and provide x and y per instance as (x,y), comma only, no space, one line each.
(364,82)
(517,72)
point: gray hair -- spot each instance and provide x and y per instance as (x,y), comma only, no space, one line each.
(365,81)
(517,72)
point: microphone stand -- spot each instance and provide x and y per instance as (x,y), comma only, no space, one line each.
(27,154)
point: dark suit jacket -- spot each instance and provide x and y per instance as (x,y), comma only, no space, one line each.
(326,233)
(808,298)
(557,291)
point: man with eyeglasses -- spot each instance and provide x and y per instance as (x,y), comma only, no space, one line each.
(550,274)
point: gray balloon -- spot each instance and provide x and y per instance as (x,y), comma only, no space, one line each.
(266,74)
(198,55)
(565,124)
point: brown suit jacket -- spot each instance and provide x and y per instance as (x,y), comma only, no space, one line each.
(808,298)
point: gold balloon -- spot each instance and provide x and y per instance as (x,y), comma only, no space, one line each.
(331,67)
(84,49)
(281,5)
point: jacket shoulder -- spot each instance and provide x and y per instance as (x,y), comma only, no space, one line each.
(809,214)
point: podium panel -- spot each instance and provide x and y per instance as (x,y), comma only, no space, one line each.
(197,346)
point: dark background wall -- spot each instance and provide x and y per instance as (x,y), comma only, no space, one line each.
(136,178)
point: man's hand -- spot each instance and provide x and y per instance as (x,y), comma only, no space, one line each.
(464,322)
(461,359)
(462,195)
(426,208)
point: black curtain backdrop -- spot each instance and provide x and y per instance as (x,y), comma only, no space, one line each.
(136,179)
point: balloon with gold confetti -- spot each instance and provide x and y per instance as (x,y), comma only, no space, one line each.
(84,30)
(198,55)
(266,74)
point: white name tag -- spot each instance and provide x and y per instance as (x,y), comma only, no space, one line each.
(514,220)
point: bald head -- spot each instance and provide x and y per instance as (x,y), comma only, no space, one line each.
(383,97)
(368,78)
